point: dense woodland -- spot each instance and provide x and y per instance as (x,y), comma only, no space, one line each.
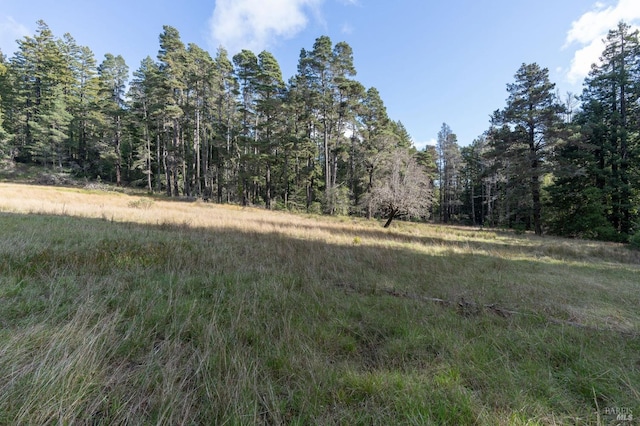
(231,130)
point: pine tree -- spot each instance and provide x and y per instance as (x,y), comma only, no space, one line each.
(270,92)
(449,167)
(246,68)
(325,73)
(611,106)
(146,105)
(50,131)
(4,135)
(302,168)
(200,79)
(38,68)
(83,105)
(530,123)
(225,116)
(374,149)
(576,206)
(402,133)
(172,63)
(474,169)
(113,74)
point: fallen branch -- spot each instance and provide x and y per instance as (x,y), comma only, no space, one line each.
(468,308)
(462,304)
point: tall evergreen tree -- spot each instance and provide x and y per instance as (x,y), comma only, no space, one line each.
(200,84)
(531,123)
(172,60)
(303,169)
(577,205)
(246,66)
(50,131)
(84,106)
(270,92)
(474,169)
(611,107)
(146,105)
(325,73)
(369,151)
(39,67)
(4,135)
(449,167)
(225,116)
(114,73)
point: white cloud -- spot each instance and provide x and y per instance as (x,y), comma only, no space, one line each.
(590,29)
(346,29)
(258,24)
(10,31)
(420,146)
(582,60)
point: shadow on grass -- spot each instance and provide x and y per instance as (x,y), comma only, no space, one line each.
(313,327)
(533,285)
(489,241)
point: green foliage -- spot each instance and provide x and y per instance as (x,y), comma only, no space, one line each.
(49,132)
(634,241)
(315,208)
(610,98)
(337,201)
(579,212)
(449,170)
(530,127)
(4,136)
(235,131)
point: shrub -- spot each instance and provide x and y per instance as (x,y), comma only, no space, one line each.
(142,203)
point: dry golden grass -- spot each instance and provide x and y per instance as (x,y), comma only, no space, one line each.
(434,239)
(122,207)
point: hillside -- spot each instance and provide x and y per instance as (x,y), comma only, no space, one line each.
(120,308)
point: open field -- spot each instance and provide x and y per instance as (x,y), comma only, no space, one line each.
(125,309)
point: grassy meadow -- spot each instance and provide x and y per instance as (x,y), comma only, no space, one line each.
(119,308)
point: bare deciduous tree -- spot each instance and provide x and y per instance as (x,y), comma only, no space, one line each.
(404,190)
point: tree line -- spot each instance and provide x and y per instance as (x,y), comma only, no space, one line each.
(225,129)
(231,130)
(566,165)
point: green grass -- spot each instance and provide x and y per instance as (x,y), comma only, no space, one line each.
(107,322)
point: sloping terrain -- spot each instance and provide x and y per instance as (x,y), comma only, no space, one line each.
(119,308)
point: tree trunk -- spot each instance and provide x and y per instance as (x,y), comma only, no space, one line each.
(167,170)
(221,172)
(369,186)
(327,166)
(537,208)
(535,195)
(392,215)
(118,154)
(535,180)
(268,187)
(148,159)
(473,204)
(196,148)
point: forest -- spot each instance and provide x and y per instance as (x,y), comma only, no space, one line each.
(232,130)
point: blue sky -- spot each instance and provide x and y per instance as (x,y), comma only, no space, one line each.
(432,61)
